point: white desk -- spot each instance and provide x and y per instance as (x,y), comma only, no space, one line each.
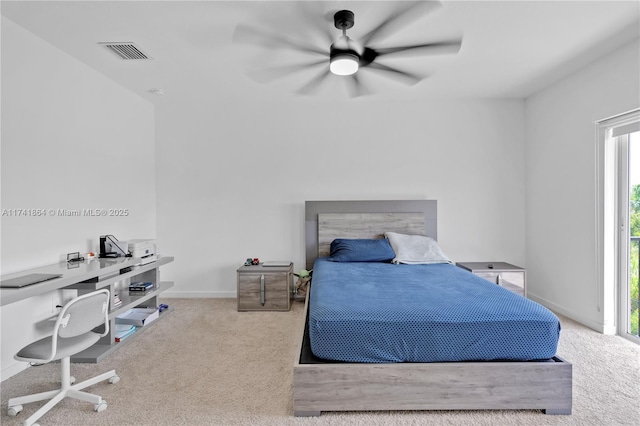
(115,274)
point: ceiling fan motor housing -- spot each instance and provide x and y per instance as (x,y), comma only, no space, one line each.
(343,19)
(344,59)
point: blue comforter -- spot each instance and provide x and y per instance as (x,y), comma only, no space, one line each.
(381,312)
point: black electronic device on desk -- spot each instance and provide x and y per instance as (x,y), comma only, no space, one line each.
(111,247)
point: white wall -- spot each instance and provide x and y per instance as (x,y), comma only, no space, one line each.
(561,182)
(233,177)
(71,139)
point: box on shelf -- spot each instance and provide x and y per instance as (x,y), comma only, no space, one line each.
(138,316)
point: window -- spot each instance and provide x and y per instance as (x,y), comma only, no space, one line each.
(618,194)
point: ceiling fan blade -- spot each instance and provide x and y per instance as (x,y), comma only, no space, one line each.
(356,87)
(250,35)
(266,75)
(315,82)
(312,15)
(400,18)
(427,48)
(403,76)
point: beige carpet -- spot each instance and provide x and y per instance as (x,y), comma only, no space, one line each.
(207,364)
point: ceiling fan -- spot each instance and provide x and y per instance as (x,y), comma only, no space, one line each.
(345,57)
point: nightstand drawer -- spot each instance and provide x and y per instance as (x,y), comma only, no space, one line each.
(513,281)
(262,289)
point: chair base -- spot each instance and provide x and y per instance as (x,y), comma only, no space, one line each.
(66,390)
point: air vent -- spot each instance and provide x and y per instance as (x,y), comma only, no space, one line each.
(126,50)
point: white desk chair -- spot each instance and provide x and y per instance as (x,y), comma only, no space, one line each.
(72,333)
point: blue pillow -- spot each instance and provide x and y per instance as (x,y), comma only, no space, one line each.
(361,250)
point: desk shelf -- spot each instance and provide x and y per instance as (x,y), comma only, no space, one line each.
(99,351)
(146,299)
(137,300)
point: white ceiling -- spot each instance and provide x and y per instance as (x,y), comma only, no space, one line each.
(510,49)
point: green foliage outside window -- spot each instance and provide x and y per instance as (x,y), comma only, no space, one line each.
(634,228)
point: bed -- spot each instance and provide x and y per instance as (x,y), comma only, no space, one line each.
(401,378)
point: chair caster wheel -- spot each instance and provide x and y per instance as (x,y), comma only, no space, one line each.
(114,379)
(101,406)
(72,380)
(13,411)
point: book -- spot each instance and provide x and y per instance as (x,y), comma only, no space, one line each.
(140,286)
(277,263)
(119,339)
(122,331)
(116,301)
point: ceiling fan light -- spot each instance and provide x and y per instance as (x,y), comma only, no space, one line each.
(344,63)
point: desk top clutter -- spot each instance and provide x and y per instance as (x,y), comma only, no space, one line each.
(98,269)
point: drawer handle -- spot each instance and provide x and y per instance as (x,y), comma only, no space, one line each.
(262,289)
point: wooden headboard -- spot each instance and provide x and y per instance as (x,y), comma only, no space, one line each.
(327,220)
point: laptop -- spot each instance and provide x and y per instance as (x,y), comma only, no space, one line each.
(25,280)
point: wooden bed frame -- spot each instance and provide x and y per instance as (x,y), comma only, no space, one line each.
(320,386)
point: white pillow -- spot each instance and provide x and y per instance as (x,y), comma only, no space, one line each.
(415,249)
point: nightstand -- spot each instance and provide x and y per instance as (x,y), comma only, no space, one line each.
(511,277)
(264,288)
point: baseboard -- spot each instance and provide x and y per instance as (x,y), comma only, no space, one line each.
(600,328)
(12,370)
(199,294)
